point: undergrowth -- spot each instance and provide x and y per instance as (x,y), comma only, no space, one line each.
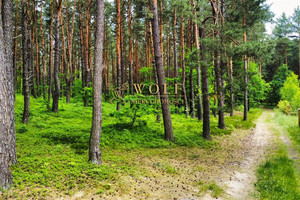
(52,149)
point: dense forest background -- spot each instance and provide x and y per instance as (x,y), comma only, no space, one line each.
(215,55)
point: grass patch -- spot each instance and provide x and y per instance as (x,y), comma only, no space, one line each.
(277,179)
(290,124)
(216,190)
(52,149)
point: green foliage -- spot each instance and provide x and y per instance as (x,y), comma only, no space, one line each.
(290,88)
(284,106)
(295,103)
(283,26)
(277,83)
(290,92)
(77,91)
(258,88)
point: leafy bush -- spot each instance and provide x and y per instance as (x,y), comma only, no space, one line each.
(290,87)
(284,106)
(295,103)
(290,94)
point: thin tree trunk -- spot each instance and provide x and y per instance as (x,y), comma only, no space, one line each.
(26,87)
(175,53)
(196,34)
(43,52)
(31,53)
(169,135)
(56,58)
(192,100)
(168,57)
(245,73)
(130,48)
(186,107)
(118,51)
(70,35)
(15,55)
(161,26)
(50,72)
(231,87)
(94,151)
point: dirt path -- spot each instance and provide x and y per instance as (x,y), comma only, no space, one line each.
(240,184)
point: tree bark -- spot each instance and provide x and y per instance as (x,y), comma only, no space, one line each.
(94,151)
(169,135)
(205,89)
(196,35)
(8,42)
(50,72)
(217,67)
(26,87)
(231,88)
(186,107)
(56,58)
(118,51)
(15,55)
(175,53)
(245,73)
(130,48)
(5,119)
(43,52)
(158,116)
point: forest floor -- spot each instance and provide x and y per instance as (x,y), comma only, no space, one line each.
(137,162)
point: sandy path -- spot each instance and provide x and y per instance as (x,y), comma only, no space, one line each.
(240,184)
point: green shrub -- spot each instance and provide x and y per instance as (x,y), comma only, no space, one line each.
(284,106)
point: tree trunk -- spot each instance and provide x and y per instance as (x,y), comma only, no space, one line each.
(26,87)
(175,53)
(161,26)
(158,116)
(15,55)
(56,58)
(130,48)
(50,72)
(192,94)
(43,52)
(218,70)
(5,119)
(118,51)
(231,88)
(169,135)
(186,107)
(196,33)
(245,74)
(94,151)
(205,89)
(8,43)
